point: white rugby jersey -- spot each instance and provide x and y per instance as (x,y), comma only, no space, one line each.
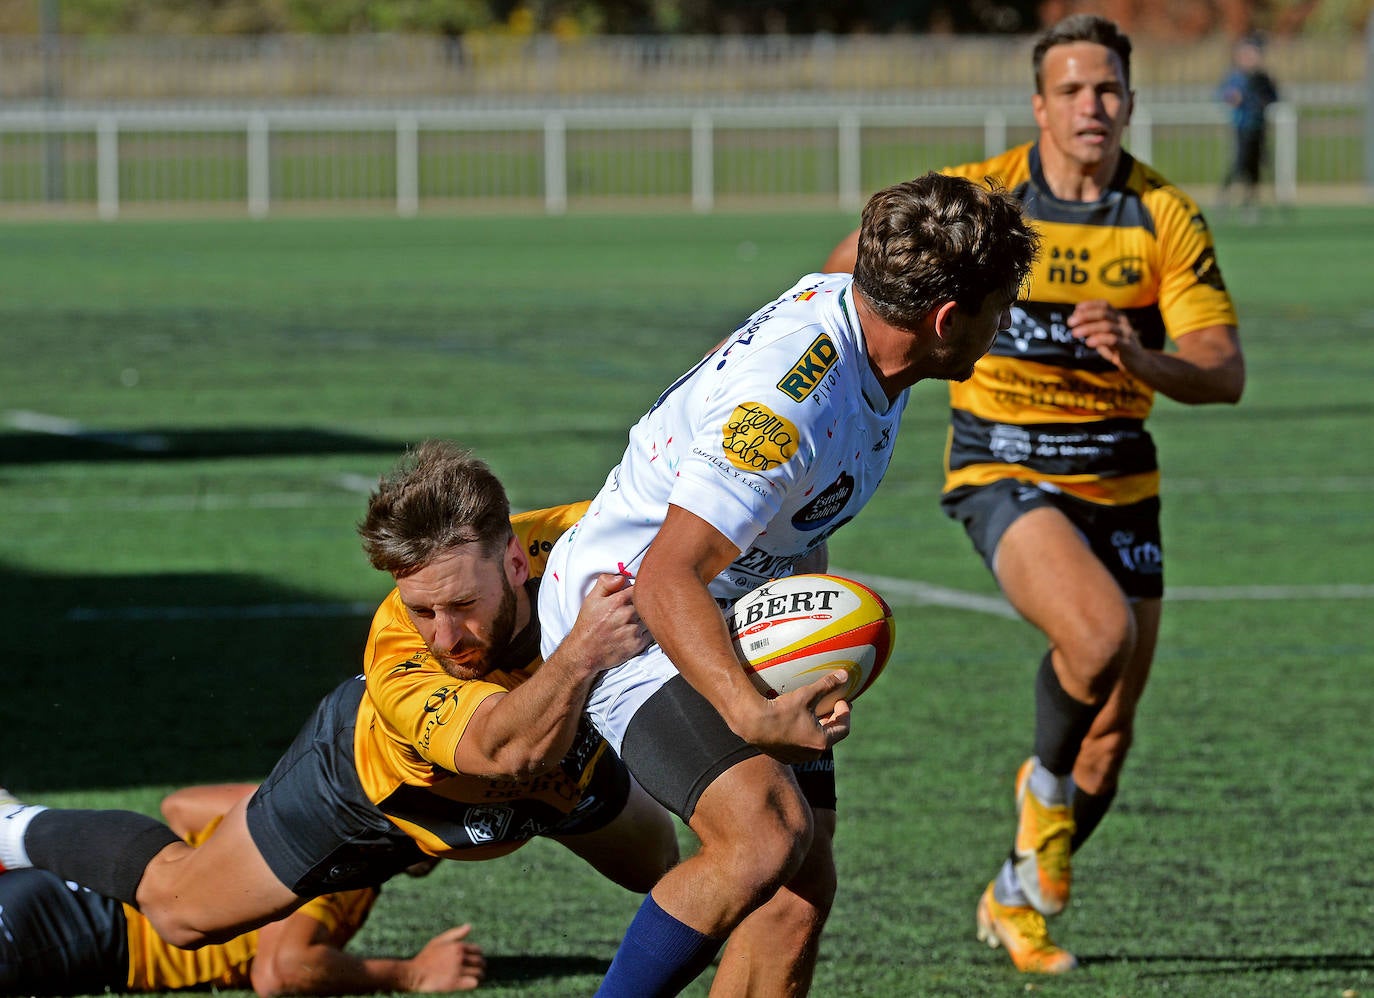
(777,438)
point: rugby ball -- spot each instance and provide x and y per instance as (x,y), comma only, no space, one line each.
(792,631)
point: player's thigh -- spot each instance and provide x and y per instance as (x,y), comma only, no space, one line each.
(1053,578)
(635,848)
(220,889)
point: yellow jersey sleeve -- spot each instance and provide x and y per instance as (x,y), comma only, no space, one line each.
(1191,292)
(341,914)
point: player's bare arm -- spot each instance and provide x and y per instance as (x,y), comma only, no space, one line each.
(522,733)
(842,257)
(190,809)
(1207,366)
(671,595)
(296,957)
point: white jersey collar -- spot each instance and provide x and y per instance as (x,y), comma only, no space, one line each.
(873,391)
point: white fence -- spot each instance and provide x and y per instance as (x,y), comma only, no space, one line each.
(258,160)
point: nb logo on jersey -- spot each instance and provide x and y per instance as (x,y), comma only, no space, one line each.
(807,373)
(1064,266)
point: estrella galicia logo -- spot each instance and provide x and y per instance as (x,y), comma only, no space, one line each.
(1123,272)
(826,506)
(807,373)
(1206,270)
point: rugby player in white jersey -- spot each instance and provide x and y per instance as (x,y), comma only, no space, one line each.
(738,474)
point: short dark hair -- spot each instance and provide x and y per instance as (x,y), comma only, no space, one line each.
(437,498)
(936,239)
(1082,28)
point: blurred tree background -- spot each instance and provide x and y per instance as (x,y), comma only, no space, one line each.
(569,18)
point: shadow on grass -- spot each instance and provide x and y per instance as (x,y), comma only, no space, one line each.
(175,679)
(1194,965)
(513,968)
(82,444)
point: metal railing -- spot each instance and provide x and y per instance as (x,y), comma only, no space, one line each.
(260,160)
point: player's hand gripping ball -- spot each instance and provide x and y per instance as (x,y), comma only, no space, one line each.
(790,632)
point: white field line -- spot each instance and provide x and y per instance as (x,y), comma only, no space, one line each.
(901,592)
(57,426)
(906,592)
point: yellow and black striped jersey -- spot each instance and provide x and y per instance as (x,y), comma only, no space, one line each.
(414,714)
(1041,407)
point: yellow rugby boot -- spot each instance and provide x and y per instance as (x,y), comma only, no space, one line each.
(1044,834)
(1022,932)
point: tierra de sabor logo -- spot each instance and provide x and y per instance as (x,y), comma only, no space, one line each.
(757,439)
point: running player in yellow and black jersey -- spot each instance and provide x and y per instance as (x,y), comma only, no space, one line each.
(1049,465)
(456,742)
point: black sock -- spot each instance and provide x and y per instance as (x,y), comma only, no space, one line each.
(106,851)
(1061,722)
(1088,812)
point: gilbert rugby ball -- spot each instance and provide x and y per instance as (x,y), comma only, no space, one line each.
(790,632)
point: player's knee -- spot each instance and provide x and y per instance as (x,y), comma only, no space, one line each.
(1102,757)
(814,889)
(788,839)
(768,850)
(1097,652)
(797,916)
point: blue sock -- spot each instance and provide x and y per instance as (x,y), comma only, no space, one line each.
(658,956)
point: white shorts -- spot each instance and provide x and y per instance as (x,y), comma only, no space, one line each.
(620,691)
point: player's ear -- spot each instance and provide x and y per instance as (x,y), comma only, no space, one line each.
(944,316)
(517,562)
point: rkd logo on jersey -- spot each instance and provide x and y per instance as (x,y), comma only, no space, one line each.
(756,438)
(806,373)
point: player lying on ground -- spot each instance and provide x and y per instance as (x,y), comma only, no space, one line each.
(455,743)
(61,938)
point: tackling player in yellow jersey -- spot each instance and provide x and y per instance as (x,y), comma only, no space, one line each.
(1049,465)
(456,742)
(61,938)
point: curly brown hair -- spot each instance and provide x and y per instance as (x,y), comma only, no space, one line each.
(937,239)
(437,498)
